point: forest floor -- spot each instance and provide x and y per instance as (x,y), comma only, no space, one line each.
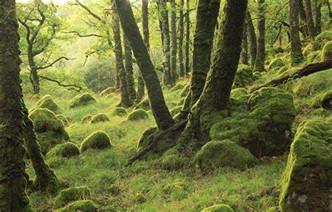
(145,185)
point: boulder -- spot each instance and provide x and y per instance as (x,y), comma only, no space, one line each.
(119,111)
(144,104)
(48,103)
(326,101)
(244,76)
(86,119)
(65,150)
(137,115)
(97,140)
(276,64)
(327,51)
(71,194)
(80,206)
(107,91)
(99,118)
(82,100)
(218,208)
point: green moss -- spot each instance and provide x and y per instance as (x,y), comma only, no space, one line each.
(172,160)
(218,154)
(107,91)
(218,208)
(140,198)
(80,206)
(176,110)
(307,179)
(326,101)
(66,150)
(82,100)
(99,118)
(97,140)
(138,114)
(48,103)
(71,194)
(239,98)
(244,76)
(119,111)
(144,104)
(177,190)
(324,36)
(276,64)
(64,119)
(185,91)
(86,119)
(327,51)
(313,56)
(178,86)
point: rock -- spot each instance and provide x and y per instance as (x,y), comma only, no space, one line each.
(307,180)
(244,76)
(97,140)
(49,129)
(64,119)
(99,118)
(80,206)
(218,208)
(178,86)
(65,150)
(70,195)
(140,198)
(144,104)
(86,119)
(107,91)
(327,51)
(138,115)
(172,160)
(324,37)
(218,154)
(326,101)
(82,100)
(119,111)
(276,64)
(47,102)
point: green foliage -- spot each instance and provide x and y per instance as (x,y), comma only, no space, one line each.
(64,119)
(306,180)
(81,206)
(144,104)
(119,111)
(137,115)
(326,101)
(276,64)
(324,36)
(71,194)
(219,154)
(327,51)
(218,208)
(244,76)
(48,103)
(97,140)
(86,119)
(82,100)
(65,150)
(99,118)
(107,91)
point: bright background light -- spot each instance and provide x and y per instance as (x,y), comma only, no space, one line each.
(46,1)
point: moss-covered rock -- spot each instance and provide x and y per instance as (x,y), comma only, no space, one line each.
(276,64)
(324,37)
(97,140)
(99,118)
(327,51)
(140,198)
(218,154)
(178,86)
(119,111)
(48,103)
(64,119)
(244,76)
(137,115)
(82,100)
(80,206)
(307,180)
(239,99)
(86,119)
(218,208)
(49,129)
(65,150)
(172,160)
(71,194)
(107,91)
(327,100)
(144,104)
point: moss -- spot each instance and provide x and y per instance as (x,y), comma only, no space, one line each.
(144,104)
(276,64)
(244,76)
(50,130)
(119,111)
(326,101)
(99,118)
(48,103)
(107,91)
(313,57)
(185,91)
(81,206)
(172,160)
(178,86)
(64,119)
(218,208)
(327,51)
(272,209)
(140,198)
(82,100)
(239,98)
(218,154)
(71,194)
(306,182)
(324,36)
(176,110)
(138,115)
(66,150)
(97,140)
(86,119)
(55,162)
(177,190)
(307,49)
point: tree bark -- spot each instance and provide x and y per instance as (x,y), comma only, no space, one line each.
(318,16)
(12,167)
(129,69)
(125,98)
(187,44)
(207,16)
(260,56)
(160,111)
(252,40)
(296,52)
(174,46)
(181,35)
(244,59)
(309,18)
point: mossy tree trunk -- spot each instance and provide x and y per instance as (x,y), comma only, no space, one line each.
(129,69)
(309,18)
(207,17)
(187,42)
(46,180)
(318,16)
(125,98)
(296,52)
(252,44)
(260,56)
(159,108)
(181,35)
(244,52)
(12,167)
(174,46)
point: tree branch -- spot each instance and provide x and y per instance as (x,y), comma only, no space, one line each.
(51,64)
(93,14)
(83,35)
(74,87)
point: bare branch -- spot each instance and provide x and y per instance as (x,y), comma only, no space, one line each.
(83,35)
(74,87)
(93,14)
(51,64)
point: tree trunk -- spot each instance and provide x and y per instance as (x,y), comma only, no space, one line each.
(187,47)
(160,111)
(244,59)
(309,18)
(260,57)
(328,4)
(303,19)
(167,78)
(318,16)
(181,35)
(35,81)
(12,167)
(252,40)
(125,99)
(296,52)
(174,46)
(46,180)
(207,16)
(129,69)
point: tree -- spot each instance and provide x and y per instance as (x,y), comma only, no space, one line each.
(159,109)
(260,56)
(41,25)
(173,42)
(187,42)
(309,18)
(12,167)
(181,36)
(296,52)
(252,39)
(129,69)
